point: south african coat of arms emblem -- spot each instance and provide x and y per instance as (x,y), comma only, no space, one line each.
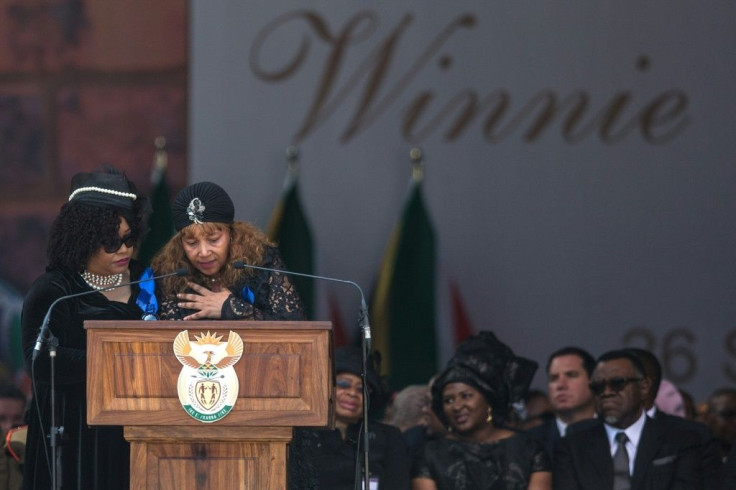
(207,385)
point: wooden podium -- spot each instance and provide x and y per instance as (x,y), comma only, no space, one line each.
(285,376)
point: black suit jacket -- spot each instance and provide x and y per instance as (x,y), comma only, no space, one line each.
(667,458)
(548,432)
(711,463)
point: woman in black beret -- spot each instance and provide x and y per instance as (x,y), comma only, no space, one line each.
(90,248)
(325,459)
(208,241)
(473,396)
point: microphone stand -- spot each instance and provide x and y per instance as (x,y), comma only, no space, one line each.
(365,348)
(365,344)
(54,431)
(52,342)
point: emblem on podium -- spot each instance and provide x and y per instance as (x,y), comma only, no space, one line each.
(208,386)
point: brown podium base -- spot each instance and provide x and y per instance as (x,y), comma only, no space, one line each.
(208,457)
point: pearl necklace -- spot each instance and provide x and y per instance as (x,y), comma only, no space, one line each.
(101,282)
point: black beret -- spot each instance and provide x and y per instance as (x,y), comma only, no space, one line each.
(203,202)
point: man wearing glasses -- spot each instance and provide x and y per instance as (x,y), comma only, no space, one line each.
(628,451)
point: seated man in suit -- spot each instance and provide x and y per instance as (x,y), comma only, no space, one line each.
(712,462)
(628,451)
(568,377)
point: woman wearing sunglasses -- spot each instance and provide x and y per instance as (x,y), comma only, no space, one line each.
(90,248)
(326,459)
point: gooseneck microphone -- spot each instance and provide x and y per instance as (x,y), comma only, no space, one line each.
(46,319)
(363,319)
(366,348)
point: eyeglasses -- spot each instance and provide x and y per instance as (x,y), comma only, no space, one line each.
(113,245)
(616,384)
(344,384)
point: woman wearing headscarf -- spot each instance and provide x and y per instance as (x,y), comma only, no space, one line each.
(326,459)
(91,245)
(208,242)
(474,397)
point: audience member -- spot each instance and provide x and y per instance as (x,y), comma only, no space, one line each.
(711,464)
(568,377)
(729,482)
(627,450)
(326,459)
(406,408)
(474,395)
(669,400)
(537,409)
(688,402)
(721,418)
(12,407)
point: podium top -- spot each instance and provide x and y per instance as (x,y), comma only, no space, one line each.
(195,324)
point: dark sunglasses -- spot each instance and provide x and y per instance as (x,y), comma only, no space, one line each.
(616,384)
(112,246)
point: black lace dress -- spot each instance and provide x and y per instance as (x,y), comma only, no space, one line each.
(91,457)
(260,295)
(506,464)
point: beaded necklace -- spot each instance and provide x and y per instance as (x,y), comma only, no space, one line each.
(98,282)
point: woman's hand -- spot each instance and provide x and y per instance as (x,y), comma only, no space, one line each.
(207,302)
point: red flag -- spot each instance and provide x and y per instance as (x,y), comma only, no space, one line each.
(339,336)
(462,327)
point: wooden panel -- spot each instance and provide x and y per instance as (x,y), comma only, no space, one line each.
(285,373)
(209,466)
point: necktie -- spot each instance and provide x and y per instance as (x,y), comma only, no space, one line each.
(621,477)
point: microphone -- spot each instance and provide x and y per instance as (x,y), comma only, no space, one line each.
(363,319)
(366,331)
(183,271)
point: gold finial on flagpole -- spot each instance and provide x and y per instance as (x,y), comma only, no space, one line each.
(292,158)
(417,164)
(161,158)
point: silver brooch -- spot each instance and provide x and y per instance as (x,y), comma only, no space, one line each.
(195,210)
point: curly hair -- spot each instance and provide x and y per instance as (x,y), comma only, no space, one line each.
(81,229)
(248,244)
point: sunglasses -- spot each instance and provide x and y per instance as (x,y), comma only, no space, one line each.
(616,384)
(112,246)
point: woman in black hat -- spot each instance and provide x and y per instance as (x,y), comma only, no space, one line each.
(90,248)
(474,397)
(208,241)
(326,459)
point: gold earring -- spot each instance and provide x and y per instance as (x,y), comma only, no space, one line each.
(489,419)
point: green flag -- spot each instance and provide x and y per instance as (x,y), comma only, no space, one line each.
(160,222)
(289,229)
(403,306)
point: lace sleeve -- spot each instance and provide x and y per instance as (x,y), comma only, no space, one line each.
(274,296)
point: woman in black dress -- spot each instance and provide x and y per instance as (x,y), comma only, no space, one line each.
(474,397)
(90,248)
(326,459)
(208,241)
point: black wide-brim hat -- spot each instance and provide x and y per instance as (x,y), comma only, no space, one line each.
(350,360)
(203,202)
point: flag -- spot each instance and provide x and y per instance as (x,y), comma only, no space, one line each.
(403,307)
(339,335)
(160,222)
(289,229)
(462,327)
